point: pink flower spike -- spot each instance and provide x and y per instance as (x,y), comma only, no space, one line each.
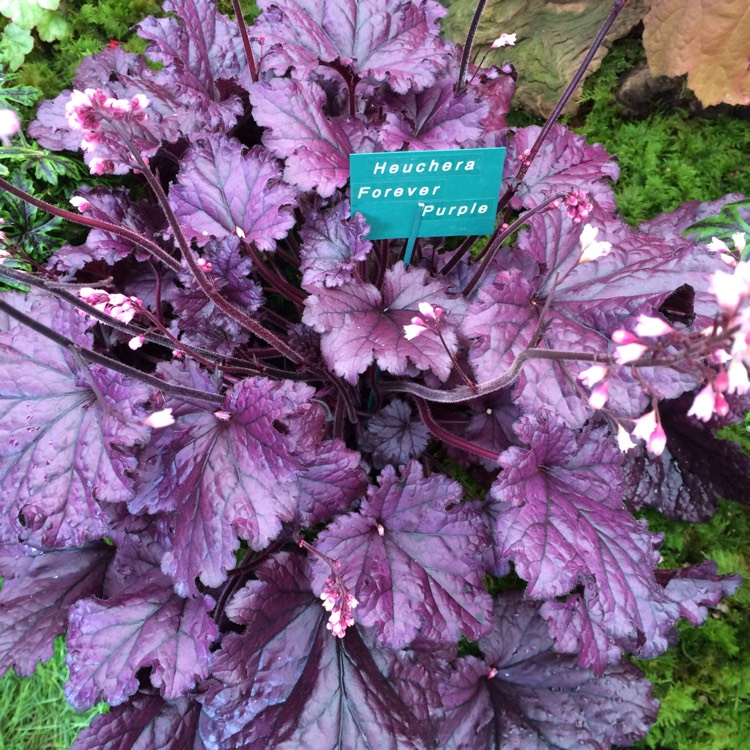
(599,396)
(624,443)
(504,40)
(593,375)
(703,404)
(629,353)
(159,419)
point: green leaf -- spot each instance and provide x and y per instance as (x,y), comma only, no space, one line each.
(24,13)
(728,221)
(52,27)
(15,44)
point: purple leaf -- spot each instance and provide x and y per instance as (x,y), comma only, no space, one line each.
(360,325)
(198,49)
(286,682)
(527,696)
(145,625)
(562,521)
(387,40)
(696,587)
(197,316)
(434,118)
(564,162)
(410,558)
(37,590)
(331,481)
(230,478)
(115,206)
(393,436)
(316,148)
(332,245)
(145,722)
(221,189)
(497,87)
(68,432)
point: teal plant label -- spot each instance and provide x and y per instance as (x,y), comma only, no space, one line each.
(441,193)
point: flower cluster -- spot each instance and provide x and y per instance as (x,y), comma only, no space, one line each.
(119,306)
(339,602)
(577,206)
(86,111)
(427,320)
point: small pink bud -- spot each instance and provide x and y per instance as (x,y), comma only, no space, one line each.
(223,416)
(136,342)
(159,419)
(80,203)
(599,396)
(593,375)
(629,353)
(624,443)
(650,326)
(703,404)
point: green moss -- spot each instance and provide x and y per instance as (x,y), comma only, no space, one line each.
(704,682)
(34,713)
(668,157)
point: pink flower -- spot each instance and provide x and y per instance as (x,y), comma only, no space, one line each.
(703,404)
(590,249)
(504,40)
(159,419)
(430,312)
(340,603)
(9,125)
(731,289)
(428,321)
(222,416)
(593,375)
(738,381)
(629,353)
(648,428)
(650,326)
(415,328)
(599,396)
(136,342)
(118,306)
(624,443)
(80,203)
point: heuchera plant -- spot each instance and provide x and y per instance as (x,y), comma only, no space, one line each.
(227,416)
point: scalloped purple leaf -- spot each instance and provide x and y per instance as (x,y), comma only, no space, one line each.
(565,162)
(360,325)
(695,588)
(434,118)
(496,86)
(330,482)
(332,245)
(316,148)
(145,722)
(68,434)
(396,41)
(410,556)
(393,436)
(145,625)
(528,696)
(37,591)
(115,206)
(221,189)
(286,682)
(199,48)
(561,519)
(232,478)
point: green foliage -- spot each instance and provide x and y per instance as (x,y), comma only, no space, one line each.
(34,713)
(704,682)
(666,158)
(728,221)
(26,16)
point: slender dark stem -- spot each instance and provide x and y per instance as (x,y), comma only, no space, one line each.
(110,364)
(497,239)
(468,44)
(203,281)
(617,7)
(449,437)
(245,40)
(464,393)
(128,234)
